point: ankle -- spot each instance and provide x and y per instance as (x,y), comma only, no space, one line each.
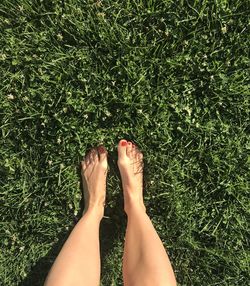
(94,211)
(132,205)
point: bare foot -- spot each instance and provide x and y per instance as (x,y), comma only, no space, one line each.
(94,173)
(130,163)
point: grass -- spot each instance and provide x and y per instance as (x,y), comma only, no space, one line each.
(170,75)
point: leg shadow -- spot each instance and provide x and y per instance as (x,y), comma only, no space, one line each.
(39,272)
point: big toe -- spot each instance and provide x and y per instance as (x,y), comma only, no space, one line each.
(122,148)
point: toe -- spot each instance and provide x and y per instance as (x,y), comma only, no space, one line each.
(87,158)
(83,165)
(138,162)
(139,155)
(102,151)
(94,155)
(129,150)
(122,147)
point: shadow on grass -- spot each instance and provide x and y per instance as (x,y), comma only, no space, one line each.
(110,231)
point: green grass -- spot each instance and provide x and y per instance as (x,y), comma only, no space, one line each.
(170,75)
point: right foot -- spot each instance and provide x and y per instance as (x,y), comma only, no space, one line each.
(130,163)
(94,173)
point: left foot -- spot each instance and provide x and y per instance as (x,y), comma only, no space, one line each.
(94,173)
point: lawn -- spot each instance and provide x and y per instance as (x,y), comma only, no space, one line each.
(170,75)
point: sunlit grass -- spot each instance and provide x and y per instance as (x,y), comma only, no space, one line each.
(171,76)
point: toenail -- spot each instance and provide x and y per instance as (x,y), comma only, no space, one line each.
(124,143)
(101,149)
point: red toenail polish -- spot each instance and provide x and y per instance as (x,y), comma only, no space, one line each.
(124,143)
(101,149)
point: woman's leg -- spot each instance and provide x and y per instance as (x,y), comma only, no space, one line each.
(78,263)
(145,261)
